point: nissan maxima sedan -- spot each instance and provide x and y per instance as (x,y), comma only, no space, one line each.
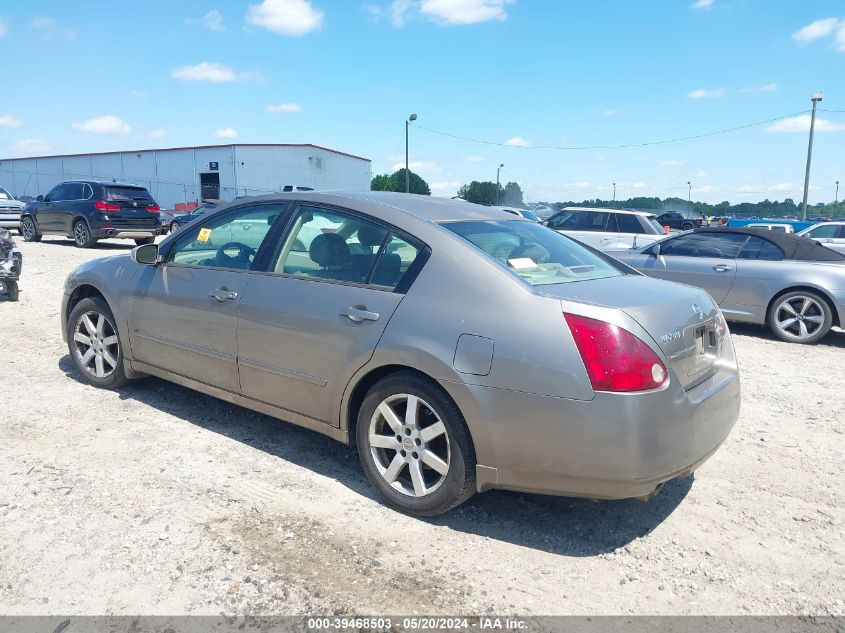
(385,320)
(791,283)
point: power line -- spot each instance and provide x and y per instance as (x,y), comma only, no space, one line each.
(604,147)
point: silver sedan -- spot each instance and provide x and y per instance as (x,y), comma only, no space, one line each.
(792,284)
(386,321)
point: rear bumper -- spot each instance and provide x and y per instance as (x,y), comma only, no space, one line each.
(126,232)
(614,446)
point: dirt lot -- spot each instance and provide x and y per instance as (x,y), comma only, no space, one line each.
(158,500)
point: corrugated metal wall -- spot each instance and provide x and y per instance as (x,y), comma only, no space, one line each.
(173,176)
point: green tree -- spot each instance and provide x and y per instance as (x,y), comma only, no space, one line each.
(479,192)
(381,183)
(396,182)
(512,195)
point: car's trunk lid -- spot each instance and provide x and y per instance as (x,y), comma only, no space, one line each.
(683,321)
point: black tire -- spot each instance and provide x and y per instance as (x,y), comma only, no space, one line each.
(29,231)
(687,227)
(458,484)
(142,241)
(819,309)
(115,378)
(82,235)
(12,291)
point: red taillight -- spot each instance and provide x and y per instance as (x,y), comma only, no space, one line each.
(153,208)
(615,359)
(105,206)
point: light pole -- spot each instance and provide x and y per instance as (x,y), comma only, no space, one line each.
(836,200)
(815,99)
(497,183)
(413,117)
(689,192)
(614,192)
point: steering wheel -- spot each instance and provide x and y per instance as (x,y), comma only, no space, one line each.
(243,258)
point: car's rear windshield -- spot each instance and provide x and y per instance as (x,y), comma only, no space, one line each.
(537,254)
(127,194)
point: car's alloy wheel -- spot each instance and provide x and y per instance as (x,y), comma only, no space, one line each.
(409,445)
(28,230)
(96,344)
(81,235)
(174,226)
(800,317)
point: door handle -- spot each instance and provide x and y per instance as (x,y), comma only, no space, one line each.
(359,314)
(722,268)
(221,294)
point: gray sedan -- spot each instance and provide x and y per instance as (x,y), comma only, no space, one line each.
(790,283)
(386,321)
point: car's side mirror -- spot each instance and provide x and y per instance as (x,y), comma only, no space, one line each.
(40,199)
(655,252)
(146,254)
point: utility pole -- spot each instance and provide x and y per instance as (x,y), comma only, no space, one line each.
(497,182)
(689,192)
(836,200)
(413,117)
(614,192)
(815,99)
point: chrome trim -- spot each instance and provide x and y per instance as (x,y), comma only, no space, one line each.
(155,338)
(287,373)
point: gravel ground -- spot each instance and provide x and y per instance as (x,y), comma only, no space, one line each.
(159,500)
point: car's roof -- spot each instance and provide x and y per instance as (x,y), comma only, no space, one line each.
(625,211)
(106,183)
(793,246)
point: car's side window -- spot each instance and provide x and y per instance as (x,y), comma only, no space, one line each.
(229,240)
(595,221)
(567,221)
(87,192)
(628,223)
(335,246)
(73,191)
(56,194)
(826,231)
(727,245)
(841,232)
(758,248)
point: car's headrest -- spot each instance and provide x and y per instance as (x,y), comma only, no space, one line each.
(532,251)
(329,249)
(370,235)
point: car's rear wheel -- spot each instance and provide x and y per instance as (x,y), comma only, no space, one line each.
(28,230)
(82,235)
(415,446)
(174,226)
(800,316)
(141,241)
(12,291)
(94,344)
(687,227)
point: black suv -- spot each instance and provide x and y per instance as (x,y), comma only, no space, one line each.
(678,221)
(88,210)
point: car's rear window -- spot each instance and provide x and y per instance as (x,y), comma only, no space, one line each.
(535,253)
(127,194)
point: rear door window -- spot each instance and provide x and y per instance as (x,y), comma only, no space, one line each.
(826,231)
(628,223)
(595,221)
(758,248)
(727,245)
(73,191)
(567,221)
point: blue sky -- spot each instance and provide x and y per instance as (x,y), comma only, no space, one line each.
(95,76)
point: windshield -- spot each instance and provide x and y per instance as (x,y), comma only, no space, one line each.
(127,194)
(5,195)
(536,254)
(530,215)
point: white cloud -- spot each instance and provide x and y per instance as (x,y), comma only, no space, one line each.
(699,174)
(518,141)
(578,186)
(769,87)
(50,29)
(671,163)
(399,11)
(158,133)
(782,186)
(375,11)
(701,93)
(106,124)
(840,38)
(138,94)
(32,147)
(608,112)
(10,120)
(801,123)
(4,26)
(286,108)
(445,186)
(474,159)
(638,185)
(702,4)
(285,17)
(816,30)
(705,189)
(204,71)
(420,166)
(226,132)
(465,11)
(213,21)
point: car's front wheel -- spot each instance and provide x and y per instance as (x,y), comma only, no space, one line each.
(82,235)
(94,344)
(29,231)
(800,316)
(415,446)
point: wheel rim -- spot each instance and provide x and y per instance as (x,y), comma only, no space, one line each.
(28,229)
(799,317)
(409,445)
(80,233)
(173,227)
(96,345)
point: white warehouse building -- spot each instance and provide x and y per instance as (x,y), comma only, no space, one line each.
(181,177)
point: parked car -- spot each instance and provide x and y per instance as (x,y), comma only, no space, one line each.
(10,211)
(678,221)
(771,226)
(790,283)
(89,210)
(528,214)
(180,219)
(11,263)
(289,188)
(607,229)
(386,320)
(830,234)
